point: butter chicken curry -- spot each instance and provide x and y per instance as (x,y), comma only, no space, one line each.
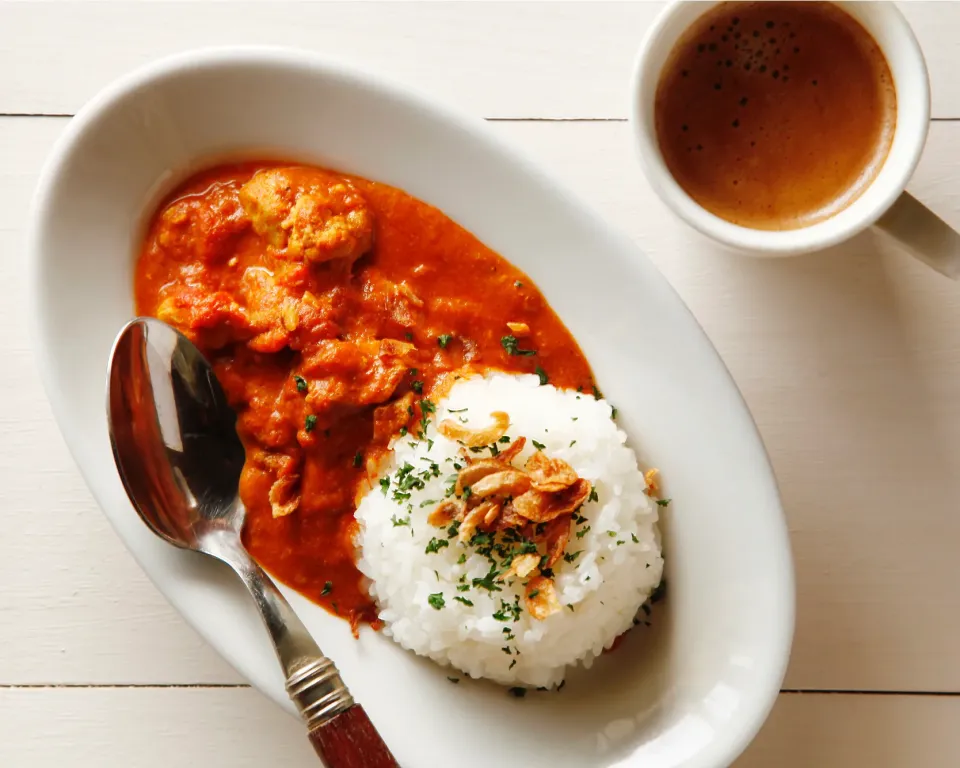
(333,308)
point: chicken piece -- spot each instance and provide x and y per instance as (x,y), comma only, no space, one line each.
(316,222)
(397,303)
(209,319)
(324,227)
(267,199)
(273,310)
(269,408)
(389,418)
(203,226)
(355,373)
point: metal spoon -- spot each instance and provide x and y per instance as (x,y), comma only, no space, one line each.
(176,447)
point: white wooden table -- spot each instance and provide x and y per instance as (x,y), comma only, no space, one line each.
(850,361)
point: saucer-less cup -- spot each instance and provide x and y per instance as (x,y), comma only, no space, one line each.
(884,203)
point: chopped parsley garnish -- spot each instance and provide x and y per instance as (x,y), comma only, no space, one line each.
(436,545)
(613,413)
(538,446)
(327,588)
(488,582)
(427,503)
(635,539)
(544,379)
(398,521)
(417,386)
(571,557)
(310,423)
(436,600)
(509,611)
(403,431)
(426,408)
(509,343)
(301,383)
(462,559)
(467,492)
(611,534)
(583,532)
(596,393)
(504,439)
(443,339)
(533,593)
(457,410)
(593,494)
(358,459)
(468,603)
(664,502)
(573,443)
(512,664)
(481,539)
(385,484)
(518,692)
(518,284)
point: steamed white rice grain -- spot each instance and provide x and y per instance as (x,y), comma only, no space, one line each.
(618,566)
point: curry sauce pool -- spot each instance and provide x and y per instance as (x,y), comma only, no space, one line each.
(503,589)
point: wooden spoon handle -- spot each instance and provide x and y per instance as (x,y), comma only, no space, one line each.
(339,729)
(349,740)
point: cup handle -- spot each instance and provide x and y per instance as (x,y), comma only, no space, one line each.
(923,234)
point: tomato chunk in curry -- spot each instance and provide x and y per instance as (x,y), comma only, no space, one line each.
(333,308)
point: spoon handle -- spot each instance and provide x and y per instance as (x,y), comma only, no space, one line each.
(339,729)
(349,740)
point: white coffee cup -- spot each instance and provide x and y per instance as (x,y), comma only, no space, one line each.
(883,203)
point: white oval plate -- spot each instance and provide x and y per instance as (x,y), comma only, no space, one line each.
(690,691)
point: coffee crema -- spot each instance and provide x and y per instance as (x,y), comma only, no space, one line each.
(775,115)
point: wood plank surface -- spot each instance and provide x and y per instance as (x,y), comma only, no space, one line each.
(237,727)
(848,359)
(497,59)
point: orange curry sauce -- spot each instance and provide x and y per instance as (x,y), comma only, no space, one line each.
(324,301)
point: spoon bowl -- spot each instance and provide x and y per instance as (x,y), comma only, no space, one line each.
(173,436)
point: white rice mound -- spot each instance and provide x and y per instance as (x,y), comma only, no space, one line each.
(601,591)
